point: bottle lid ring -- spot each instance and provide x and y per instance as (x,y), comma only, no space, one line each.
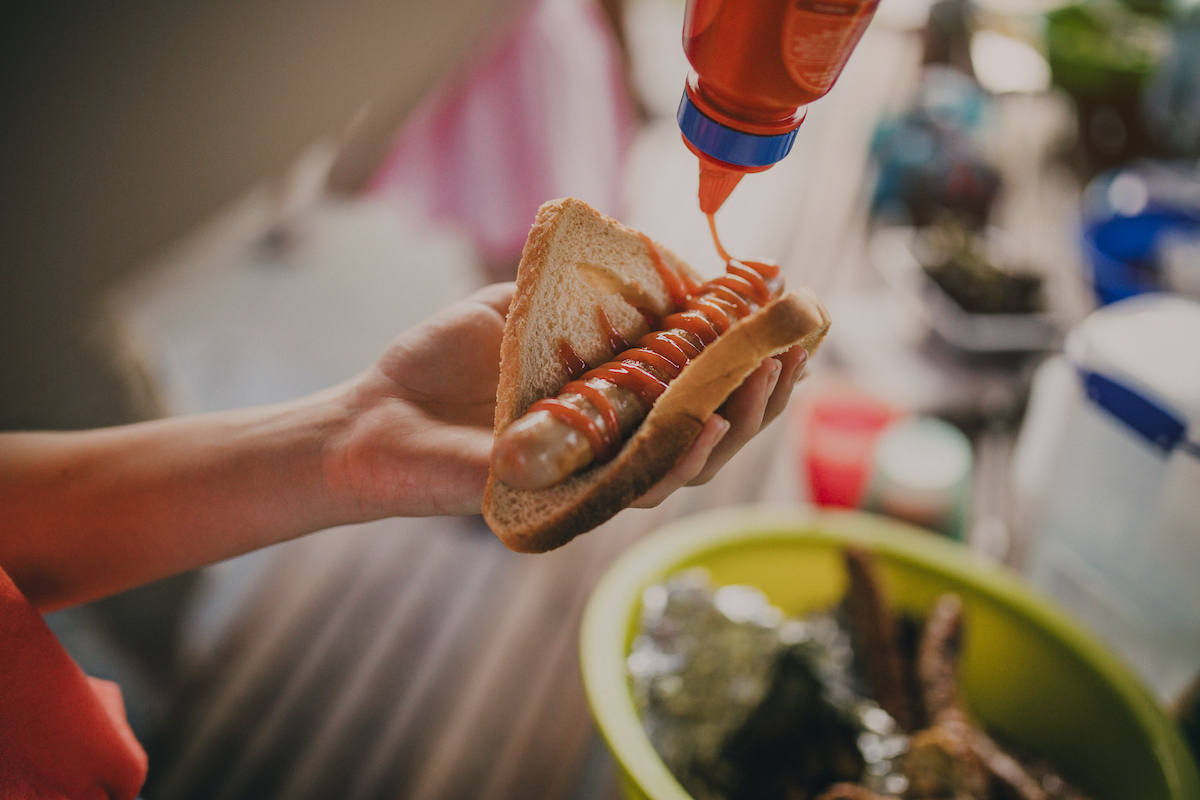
(726,144)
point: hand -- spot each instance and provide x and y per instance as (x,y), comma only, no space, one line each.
(760,399)
(85,514)
(411,436)
(421,437)
(420,440)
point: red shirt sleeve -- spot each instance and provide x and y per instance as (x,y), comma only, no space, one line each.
(62,734)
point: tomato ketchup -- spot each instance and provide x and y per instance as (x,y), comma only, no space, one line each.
(756,65)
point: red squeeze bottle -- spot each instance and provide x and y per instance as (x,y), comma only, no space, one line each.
(756,65)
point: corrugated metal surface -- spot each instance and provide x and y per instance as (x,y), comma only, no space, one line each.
(410,658)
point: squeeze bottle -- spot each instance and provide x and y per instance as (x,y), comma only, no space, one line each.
(756,65)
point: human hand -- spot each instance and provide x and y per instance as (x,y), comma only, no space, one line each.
(420,438)
(411,436)
(760,399)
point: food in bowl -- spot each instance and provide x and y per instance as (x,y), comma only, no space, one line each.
(850,702)
(957,260)
(1027,672)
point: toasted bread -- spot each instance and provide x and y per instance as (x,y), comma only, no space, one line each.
(576,261)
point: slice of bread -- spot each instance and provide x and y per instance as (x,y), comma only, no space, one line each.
(578,262)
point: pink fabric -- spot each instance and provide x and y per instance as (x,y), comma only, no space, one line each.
(62,734)
(542,114)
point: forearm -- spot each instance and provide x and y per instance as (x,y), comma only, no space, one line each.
(85,514)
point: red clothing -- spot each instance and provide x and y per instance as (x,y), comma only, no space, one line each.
(62,734)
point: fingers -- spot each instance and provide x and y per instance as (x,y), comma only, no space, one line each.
(497,296)
(452,358)
(793,362)
(759,400)
(744,409)
(692,464)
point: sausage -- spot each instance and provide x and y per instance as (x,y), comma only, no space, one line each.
(873,630)
(938,657)
(539,449)
(591,416)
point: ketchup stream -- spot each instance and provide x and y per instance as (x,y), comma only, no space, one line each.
(700,313)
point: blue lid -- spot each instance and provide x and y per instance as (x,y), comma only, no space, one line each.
(1155,423)
(726,144)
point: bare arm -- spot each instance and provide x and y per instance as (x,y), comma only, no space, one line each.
(86,514)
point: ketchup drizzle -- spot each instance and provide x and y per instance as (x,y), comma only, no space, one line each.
(712,227)
(575,418)
(608,435)
(726,294)
(679,285)
(616,342)
(702,313)
(570,360)
(694,322)
(632,375)
(653,321)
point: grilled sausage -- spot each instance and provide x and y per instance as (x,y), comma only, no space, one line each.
(591,416)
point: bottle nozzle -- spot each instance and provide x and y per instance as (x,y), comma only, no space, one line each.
(716,184)
(727,153)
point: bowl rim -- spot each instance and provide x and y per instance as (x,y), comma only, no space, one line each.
(605,625)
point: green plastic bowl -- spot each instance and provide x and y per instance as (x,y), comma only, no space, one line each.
(1028,673)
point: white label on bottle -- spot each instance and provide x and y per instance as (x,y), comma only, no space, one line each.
(818,37)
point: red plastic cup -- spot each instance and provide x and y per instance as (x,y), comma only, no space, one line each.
(841,431)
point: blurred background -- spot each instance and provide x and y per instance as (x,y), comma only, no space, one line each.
(227,205)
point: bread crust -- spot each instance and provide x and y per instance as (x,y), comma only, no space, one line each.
(536,521)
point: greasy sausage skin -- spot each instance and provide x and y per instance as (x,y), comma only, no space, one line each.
(591,416)
(540,450)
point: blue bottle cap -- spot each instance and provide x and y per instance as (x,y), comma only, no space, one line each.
(726,144)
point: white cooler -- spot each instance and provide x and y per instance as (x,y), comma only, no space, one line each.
(1108,467)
